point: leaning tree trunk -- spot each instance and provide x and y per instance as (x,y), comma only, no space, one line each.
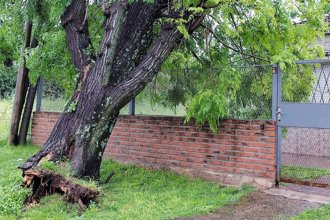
(28,108)
(20,89)
(128,59)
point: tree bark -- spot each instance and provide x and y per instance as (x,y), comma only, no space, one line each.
(20,91)
(128,59)
(28,108)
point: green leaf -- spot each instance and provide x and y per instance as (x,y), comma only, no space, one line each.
(182,29)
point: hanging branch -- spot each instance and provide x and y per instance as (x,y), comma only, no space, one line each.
(231,48)
(75,22)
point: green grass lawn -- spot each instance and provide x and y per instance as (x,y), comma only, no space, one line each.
(53,105)
(146,108)
(132,193)
(142,107)
(322,213)
(303,173)
(5,113)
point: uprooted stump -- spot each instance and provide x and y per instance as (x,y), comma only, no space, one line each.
(45,182)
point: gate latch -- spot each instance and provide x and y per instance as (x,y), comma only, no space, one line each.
(278,113)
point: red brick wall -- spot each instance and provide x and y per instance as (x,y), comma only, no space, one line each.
(245,150)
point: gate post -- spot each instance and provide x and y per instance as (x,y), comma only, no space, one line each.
(131,107)
(39,94)
(276,99)
(274,90)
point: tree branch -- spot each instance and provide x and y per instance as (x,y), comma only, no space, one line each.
(231,48)
(149,66)
(75,22)
(135,39)
(196,23)
(115,18)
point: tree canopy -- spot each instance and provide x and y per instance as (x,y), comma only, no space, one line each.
(202,73)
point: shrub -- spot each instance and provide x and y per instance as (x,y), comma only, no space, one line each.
(7,81)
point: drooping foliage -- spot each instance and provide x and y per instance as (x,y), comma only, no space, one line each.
(206,73)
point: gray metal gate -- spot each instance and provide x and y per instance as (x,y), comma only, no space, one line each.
(303,121)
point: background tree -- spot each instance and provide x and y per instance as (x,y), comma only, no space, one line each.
(10,28)
(13,33)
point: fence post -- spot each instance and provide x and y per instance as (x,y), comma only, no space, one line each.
(131,107)
(276,100)
(274,90)
(39,94)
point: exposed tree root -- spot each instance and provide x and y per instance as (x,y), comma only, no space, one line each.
(45,182)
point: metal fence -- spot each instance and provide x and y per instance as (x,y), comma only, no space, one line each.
(253,99)
(305,151)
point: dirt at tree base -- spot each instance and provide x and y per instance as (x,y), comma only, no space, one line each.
(258,206)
